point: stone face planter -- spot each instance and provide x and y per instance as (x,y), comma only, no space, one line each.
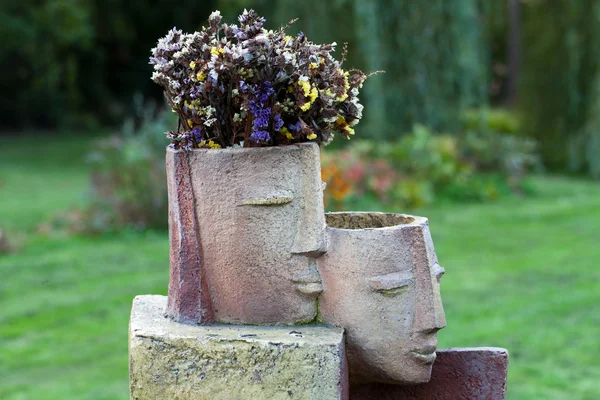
(381,282)
(245,227)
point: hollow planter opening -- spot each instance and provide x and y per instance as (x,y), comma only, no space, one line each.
(366,220)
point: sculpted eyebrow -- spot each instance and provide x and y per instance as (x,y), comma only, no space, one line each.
(391,281)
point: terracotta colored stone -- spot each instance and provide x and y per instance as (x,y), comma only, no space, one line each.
(168,360)
(458,374)
(246,226)
(381,283)
(189,299)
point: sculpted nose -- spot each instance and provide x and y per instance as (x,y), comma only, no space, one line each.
(430,316)
(310,228)
(429,311)
(438,307)
(439,315)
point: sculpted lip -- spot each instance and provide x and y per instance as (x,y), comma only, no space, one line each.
(425,354)
(308,283)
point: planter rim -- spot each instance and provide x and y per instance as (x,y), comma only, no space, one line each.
(245,149)
(416,221)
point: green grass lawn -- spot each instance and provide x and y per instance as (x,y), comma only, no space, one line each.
(521,274)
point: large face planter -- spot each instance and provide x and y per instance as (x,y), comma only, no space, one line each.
(381,282)
(245,227)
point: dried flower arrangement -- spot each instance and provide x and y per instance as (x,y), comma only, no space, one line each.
(246,87)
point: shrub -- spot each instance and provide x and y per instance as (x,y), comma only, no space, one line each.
(424,166)
(491,120)
(348,176)
(128,177)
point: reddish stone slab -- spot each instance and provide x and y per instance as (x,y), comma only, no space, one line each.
(189,300)
(458,374)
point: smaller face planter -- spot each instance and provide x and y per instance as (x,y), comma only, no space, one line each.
(381,282)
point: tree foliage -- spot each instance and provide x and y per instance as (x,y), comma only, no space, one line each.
(77,62)
(559,93)
(434,54)
(81,60)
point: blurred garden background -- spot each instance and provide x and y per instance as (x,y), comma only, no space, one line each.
(487,121)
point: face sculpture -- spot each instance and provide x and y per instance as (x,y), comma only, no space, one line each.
(258,226)
(381,282)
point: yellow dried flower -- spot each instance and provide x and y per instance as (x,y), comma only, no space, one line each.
(314,93)
(201,76)
(193,65)
(216,51)
(287,133)
(312,136)
(342,97)
(305,87)
(210,144)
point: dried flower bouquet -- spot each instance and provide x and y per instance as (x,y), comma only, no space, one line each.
(246,86)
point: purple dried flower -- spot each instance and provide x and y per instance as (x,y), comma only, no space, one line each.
(297,127)
(260,136)
(277,122)
(261,122)
(266,93)
(239,34)
(158,60)
(244,16)
(254,107)
(259,107)
(197,133)
(261,118)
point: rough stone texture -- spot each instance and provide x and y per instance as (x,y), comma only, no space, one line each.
(246,226)
(381,283)
(365,220)
(458,374)
(168,360)
(189,298)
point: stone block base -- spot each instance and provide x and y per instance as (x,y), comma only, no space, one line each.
(465,374)
(168,360)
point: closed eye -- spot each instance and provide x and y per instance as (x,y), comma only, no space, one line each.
(392,284)
(394,291)
(270,199)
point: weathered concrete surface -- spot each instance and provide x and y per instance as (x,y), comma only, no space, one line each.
(168,360)
(381,283)
(458,374)
(246,226)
